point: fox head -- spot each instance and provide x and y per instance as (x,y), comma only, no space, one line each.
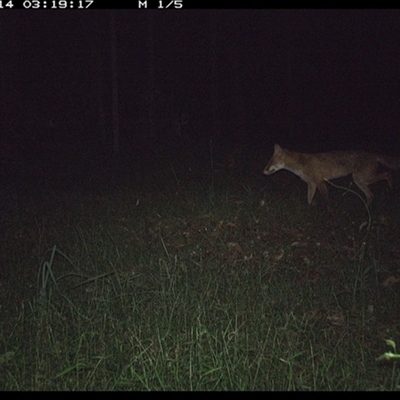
(276,162)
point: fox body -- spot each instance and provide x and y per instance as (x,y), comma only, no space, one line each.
(316,168)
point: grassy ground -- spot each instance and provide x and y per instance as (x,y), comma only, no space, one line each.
(206,285)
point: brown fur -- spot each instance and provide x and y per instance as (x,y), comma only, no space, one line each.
(316,168)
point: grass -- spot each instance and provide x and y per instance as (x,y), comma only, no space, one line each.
(226,286)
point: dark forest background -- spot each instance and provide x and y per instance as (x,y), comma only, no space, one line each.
(192,89)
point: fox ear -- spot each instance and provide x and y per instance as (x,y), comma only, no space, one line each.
(277,148)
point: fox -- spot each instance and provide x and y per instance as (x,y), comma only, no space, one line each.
(317,168)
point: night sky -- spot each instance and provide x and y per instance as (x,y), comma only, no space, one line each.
(316,80)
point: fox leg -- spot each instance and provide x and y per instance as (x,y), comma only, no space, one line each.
(388,177)
(384,176)
(364,188)
(322,189)
(324,192)
(363,183)
(311,191)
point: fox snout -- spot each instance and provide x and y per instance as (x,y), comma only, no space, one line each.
(276,162)
(271,168)
(268,171)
